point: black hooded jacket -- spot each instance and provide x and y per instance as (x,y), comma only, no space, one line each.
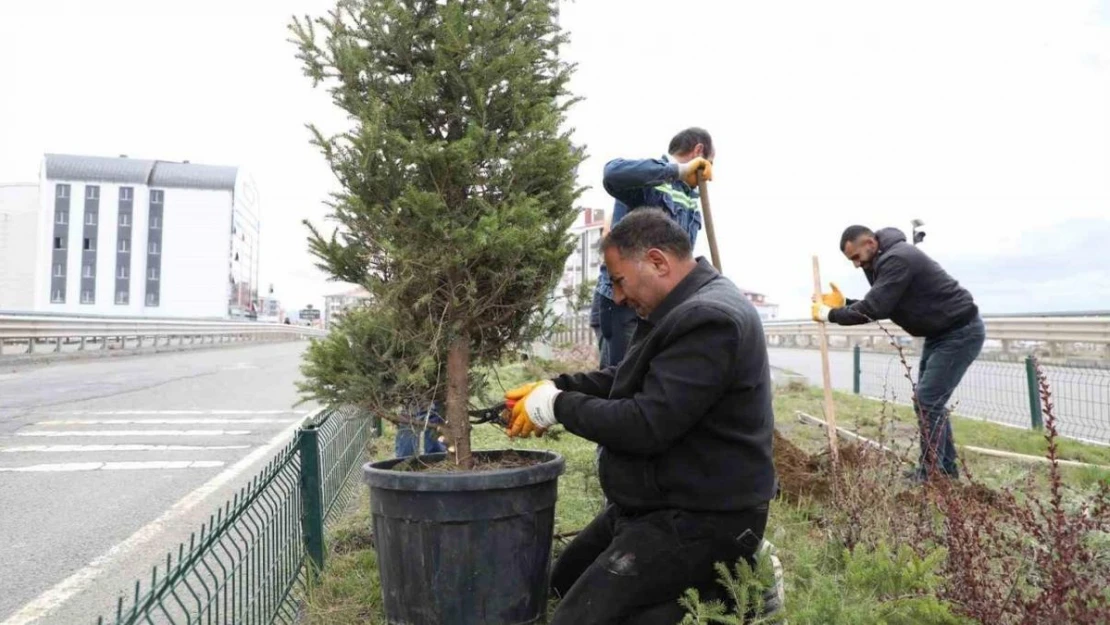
(910,289)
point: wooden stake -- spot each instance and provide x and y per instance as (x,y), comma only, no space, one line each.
(822,333)
(703,193)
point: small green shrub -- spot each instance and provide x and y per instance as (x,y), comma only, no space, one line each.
(835,586)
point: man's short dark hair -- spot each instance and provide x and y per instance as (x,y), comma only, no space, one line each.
(851,233)
(646,228)
(689,139)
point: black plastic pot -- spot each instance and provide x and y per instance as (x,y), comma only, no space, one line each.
(465,548)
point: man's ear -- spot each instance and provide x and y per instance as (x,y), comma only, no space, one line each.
(659,261)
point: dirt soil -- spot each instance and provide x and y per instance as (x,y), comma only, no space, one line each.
(806,476)
(507,460)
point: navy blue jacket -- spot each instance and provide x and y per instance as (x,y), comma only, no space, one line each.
(649,183)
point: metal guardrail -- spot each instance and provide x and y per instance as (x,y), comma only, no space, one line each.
(248,564)
(120,333)
(1081,334)
(1055,333)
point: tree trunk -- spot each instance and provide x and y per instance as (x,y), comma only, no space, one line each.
(458,398)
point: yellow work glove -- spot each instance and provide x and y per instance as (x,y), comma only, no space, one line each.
(835,299)
(820,312)
(514,398)
(519,393)
(688,171)
(535,413)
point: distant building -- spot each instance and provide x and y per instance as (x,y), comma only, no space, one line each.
(584,262)
(270,309)
(336,305)
(131,237)
(767,311)
(19,217)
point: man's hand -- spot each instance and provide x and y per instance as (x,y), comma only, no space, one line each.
(820,312)
(535,412)
(835,299)
(514,395)
(688,171)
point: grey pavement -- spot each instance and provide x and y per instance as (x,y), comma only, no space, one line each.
(991,390)
(92,452)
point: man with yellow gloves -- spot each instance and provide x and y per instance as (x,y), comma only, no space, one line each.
(913,291)
(685,425)
(670,183)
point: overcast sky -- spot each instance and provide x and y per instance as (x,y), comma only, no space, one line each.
(989,120)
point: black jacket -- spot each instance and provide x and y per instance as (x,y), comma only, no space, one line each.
(685,421)
(910,289)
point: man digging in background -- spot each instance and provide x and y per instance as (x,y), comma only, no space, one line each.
(685,425)
(669,183)
(913,291)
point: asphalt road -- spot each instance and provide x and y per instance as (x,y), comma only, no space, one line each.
(994,391)
(107,464)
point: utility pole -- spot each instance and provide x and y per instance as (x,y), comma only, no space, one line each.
(918,235)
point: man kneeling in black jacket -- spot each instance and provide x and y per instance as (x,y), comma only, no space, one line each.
(685,425)
(913,291)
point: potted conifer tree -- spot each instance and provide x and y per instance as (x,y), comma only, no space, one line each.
(458,187)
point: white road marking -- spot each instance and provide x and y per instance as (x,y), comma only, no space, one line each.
(94,448)
(109,413)
(64,434)
(158,421)
(70,467)
(53,598)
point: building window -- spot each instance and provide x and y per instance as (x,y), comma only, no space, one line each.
(122,274)
(86,297)
(90,245)
(124,220)
(153,248)
(124,246)
(59,243)
(156,197)
(155,223)
(61,218)
(59,270)
(151,299)
(92,192)
(121,297)
(125,193)
(87,271)
(152,274)
(90,219)
(62,190)
(57,297)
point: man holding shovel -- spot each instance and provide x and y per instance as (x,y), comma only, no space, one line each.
(685,426)
(670,183)
(913,291)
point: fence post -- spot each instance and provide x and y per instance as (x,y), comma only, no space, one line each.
(855,369)
(312,496)
(1034,393)
(378,427)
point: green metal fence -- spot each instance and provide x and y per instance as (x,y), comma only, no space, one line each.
(1003,392)
(247,564)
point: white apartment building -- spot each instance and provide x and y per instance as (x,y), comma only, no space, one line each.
(131,237)
(584,262)
(767,311)
(336,305)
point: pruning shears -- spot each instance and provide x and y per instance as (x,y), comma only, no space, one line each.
(498,415)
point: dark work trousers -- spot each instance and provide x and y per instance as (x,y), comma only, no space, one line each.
(618,323)
(631,569)
(944,360)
